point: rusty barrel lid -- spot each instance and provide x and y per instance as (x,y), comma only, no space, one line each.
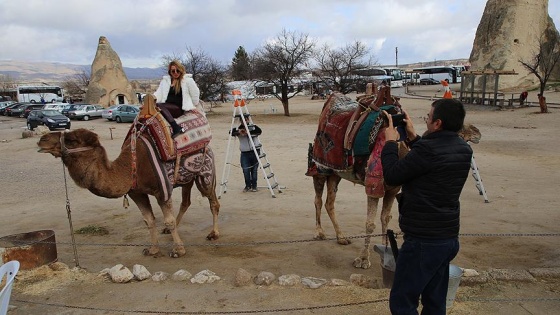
(31,249)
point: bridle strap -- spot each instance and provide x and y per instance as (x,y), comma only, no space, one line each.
(66,151)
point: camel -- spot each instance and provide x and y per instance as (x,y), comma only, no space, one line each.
(331,178)
(89,167)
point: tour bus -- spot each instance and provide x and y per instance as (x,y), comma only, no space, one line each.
(450,74)
(376,74)
(39,93)
(396,75)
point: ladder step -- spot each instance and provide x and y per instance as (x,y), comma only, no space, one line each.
(262,155)
(266,165)
(270,175)
(273,186)
(244,115)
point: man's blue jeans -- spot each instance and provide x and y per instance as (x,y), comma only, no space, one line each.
(422,270)
(250,166)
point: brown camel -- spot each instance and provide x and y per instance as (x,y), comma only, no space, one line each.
(90,168)
(332,178)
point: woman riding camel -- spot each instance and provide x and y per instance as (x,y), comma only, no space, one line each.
(177,92)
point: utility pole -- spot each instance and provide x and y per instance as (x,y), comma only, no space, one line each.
(397,57)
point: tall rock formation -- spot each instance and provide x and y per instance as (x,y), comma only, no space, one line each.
(509,31)
(108,84)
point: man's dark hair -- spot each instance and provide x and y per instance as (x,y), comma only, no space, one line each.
(451,112)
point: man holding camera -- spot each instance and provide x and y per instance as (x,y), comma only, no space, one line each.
(249,161)
(432,176)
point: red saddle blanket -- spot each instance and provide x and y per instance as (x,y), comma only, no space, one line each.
(197,136)
(328,147)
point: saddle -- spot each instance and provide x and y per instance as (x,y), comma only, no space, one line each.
(350,137)
(197,136)
(368,103)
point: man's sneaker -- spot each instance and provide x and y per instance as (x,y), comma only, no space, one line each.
(246,189)
(254,189)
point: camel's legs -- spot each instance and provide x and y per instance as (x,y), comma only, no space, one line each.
(363,260)
(332,182)
(185,201)
(143,203)
(319,185)
(388,200)
(332,188)
(209,191)
(170,224)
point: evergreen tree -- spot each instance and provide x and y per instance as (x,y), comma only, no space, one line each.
(240,67)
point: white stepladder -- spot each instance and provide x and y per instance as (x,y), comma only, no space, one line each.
(478,180)
(241,115)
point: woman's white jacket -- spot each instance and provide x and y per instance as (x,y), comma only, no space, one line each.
(191,93)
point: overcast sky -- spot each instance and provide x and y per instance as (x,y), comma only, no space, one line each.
(142,31)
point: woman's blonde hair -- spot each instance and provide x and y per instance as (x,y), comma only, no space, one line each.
(177,84)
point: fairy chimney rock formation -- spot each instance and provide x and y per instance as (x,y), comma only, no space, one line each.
(509,31)
(108,83)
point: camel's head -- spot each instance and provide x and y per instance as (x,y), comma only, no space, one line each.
(470,133)
(73,140)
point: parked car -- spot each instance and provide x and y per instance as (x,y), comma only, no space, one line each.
(86,112)
(56,106)
(108,112)
(126,113)
(20,109)
(28,108)
(429,81)
(5,111)
(68,108)
(6,103)
(51,118)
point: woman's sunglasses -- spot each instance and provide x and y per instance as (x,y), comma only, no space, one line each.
(174,71)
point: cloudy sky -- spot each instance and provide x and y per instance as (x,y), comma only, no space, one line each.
(142,31)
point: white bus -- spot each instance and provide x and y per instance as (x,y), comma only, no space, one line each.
(39,93)
(450,74)
(396,75)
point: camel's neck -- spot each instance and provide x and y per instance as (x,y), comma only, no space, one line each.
(92,170)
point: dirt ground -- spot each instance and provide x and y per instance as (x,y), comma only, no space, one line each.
(519,163)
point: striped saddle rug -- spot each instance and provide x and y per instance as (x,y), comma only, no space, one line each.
(197,136)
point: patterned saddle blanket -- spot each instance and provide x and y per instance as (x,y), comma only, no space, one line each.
(328,150)
(197,136)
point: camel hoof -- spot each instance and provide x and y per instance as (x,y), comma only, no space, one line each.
(152,252)
(320,237)
(176,253)
(213,236)
(166,231)
(344,241)
(362,263)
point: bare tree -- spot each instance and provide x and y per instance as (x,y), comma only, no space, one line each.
(543,62)
(337,67)
(76,85)
(282,59)
(209,74)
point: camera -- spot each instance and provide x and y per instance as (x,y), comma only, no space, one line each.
(398,120)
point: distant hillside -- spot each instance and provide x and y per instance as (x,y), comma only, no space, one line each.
(55,73)
(52,72)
